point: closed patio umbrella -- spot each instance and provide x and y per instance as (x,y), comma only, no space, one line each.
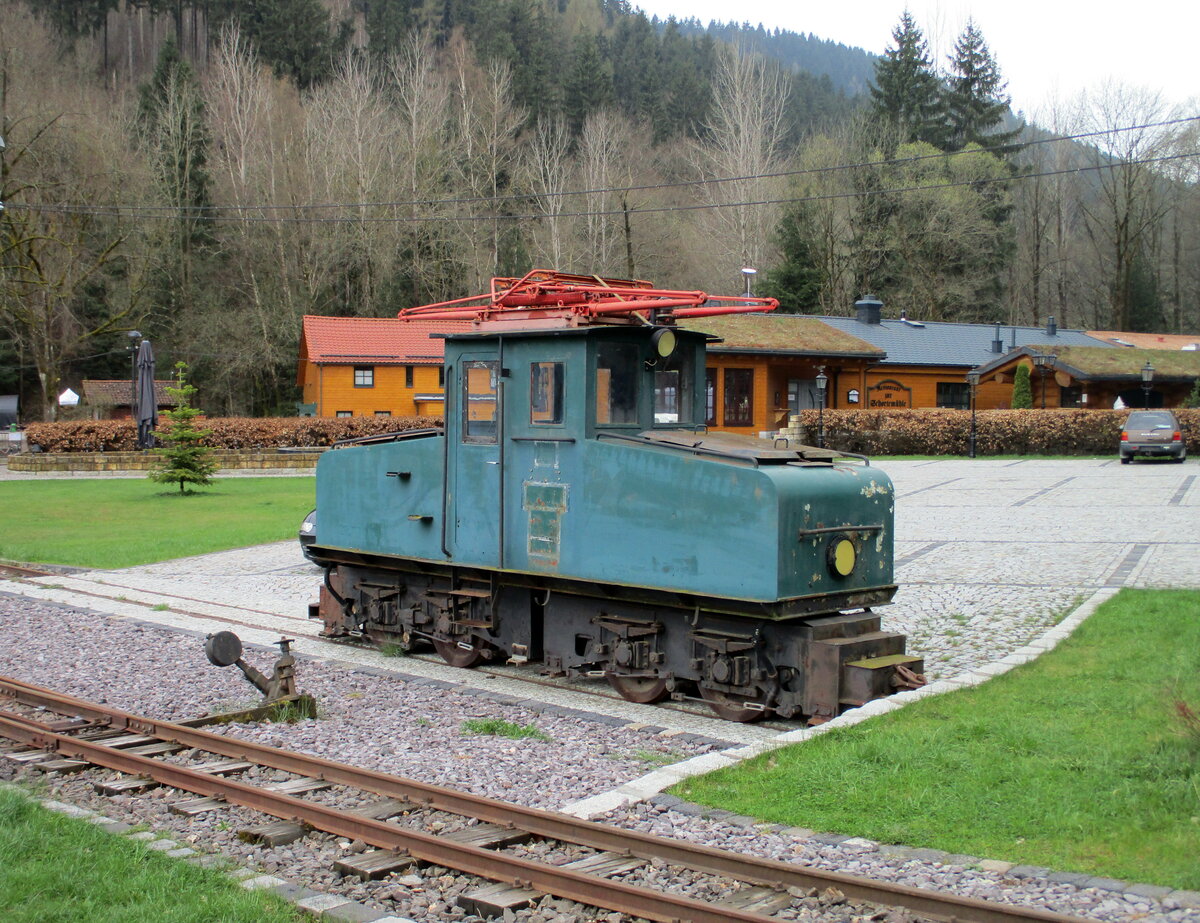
(146,412)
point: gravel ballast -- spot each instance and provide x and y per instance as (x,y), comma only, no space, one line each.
(414,728)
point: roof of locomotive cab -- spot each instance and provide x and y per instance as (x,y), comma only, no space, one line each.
(516,330)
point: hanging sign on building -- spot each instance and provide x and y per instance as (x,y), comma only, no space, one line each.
(889,393)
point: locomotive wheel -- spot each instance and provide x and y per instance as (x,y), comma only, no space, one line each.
(459,656)
(733,707)
(645,690)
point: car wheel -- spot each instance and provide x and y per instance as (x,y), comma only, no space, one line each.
(1125,459)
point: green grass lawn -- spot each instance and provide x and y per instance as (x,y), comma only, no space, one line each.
(121,522)
(1077,761)
(54,868)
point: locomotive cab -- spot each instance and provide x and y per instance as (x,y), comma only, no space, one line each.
(575,512)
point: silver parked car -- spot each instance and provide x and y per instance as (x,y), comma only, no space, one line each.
(1152,432)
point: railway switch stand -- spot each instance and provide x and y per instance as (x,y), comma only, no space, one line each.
(224,649)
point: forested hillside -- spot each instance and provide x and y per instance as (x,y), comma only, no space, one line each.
(850,70)
(209,173)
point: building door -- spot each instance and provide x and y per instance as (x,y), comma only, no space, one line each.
(802,394)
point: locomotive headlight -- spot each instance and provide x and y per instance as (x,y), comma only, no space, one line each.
(664,341)
(842,556)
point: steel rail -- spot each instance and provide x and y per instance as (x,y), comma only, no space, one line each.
(593,890)
(553,825)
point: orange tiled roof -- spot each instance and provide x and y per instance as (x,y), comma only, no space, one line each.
(377,340)
(116,393)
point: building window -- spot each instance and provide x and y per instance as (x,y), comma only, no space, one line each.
(408,376)
(739,397)
(953,395)
(1070,397)
(710,397)
(383,413)
(479,401)
(345,413)
(546,392)
(441,376)
(364,376)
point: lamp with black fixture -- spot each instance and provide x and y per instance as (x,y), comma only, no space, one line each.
(1147,383)
(973,384)
(1044,362)
(822,384)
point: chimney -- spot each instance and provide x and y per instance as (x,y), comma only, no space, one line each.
(1051,327)
(997,343)
(1014,338)
(869,310)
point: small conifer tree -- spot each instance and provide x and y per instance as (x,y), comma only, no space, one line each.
(185,459)
(1193,399)
(1022,398)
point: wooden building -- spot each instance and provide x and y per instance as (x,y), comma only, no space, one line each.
(1097,377)
(765,367)
(927,362)
(111,399)
(372,366)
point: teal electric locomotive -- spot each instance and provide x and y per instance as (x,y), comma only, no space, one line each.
(575,512)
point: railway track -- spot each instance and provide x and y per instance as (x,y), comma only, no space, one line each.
(59,733)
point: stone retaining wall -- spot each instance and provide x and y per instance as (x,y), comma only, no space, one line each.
(144,461)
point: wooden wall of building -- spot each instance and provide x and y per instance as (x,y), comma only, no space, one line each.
(332,389)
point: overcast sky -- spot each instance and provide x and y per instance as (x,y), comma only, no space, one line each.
(1044,47)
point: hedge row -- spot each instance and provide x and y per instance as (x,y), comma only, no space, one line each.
(227,432)
(998,432)
(871,432)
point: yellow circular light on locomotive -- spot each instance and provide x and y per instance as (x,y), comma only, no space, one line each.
(842,556)
(664,342)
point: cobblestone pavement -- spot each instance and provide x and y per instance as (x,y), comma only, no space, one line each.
(989,555)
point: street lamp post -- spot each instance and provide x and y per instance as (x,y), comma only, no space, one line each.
(973,383)
(1147,383)
(822,384)
(749,275)
(134,336)
(1044,361)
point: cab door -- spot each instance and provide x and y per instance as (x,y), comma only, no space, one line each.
(475,506)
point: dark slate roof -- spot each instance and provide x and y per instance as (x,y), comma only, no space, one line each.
(942,343)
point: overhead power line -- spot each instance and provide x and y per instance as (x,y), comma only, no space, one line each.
(202,211)
(116,212)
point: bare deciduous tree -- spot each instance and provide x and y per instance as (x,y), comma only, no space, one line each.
(744,139)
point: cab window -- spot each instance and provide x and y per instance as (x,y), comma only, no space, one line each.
(546,393)
(673,390)
(617,370)
(479,401)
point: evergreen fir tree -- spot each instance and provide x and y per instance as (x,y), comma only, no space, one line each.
(975,100)
(796,281)
(185,459)
(1022,398)
(906,94)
